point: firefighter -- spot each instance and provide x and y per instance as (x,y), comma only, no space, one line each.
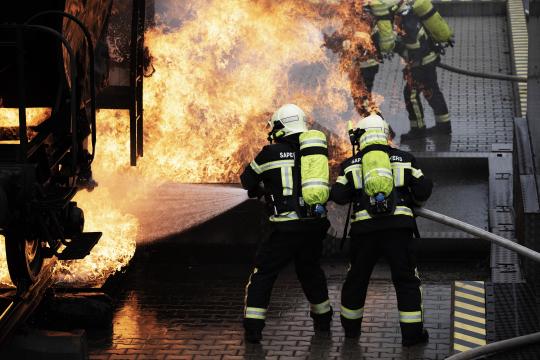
(422,35)
(296,203)
(375,234)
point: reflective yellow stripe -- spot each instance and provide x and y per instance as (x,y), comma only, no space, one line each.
(368,63)
(442,118)
(286,216)
(417,173)
(342,180)
(246,289)
(410,317)
(287,180)
(321,308)
(429,58)
(255,313)
(356,171)
(413,46)
(255,167)
(416,108)
(403,210)
(360,215)
(276,165)
(398,170)
(352,314)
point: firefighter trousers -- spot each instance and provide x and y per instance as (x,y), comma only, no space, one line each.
(280,249)
(423,79)
(396,245)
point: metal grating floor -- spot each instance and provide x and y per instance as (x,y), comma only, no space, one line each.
(481,110)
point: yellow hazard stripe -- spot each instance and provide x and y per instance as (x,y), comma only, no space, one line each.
(468,338)
(471,287)
(474,329)
(470,296)
(464,305)
(469,315)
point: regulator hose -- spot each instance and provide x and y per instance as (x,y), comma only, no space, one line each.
(514,78)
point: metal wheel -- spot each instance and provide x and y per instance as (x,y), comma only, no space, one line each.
(24,258)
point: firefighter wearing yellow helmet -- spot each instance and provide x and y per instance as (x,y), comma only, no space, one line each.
(294,174)
(383,183)
(422,35)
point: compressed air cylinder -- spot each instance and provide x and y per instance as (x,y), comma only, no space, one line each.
(376,169)
(381,11)
(314,169)
(387,39)
(437,27)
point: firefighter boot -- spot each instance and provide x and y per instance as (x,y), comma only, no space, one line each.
(253,330)
(422,338)
(414,133)
(351,327)
(321,322)
(443,128)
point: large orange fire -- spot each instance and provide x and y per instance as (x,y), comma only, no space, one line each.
(221,69)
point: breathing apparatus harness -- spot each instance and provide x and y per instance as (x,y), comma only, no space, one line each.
(378,204)
(295,200)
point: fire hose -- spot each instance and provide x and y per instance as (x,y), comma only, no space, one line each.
(483,75)
(503,345)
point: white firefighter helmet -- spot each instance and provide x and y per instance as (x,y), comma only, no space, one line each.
(290,119)
(374,122)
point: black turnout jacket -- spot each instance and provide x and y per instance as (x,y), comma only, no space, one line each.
(411,187)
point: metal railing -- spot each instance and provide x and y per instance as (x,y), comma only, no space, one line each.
(503,345)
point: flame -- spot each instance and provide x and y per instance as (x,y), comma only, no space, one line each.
(221,69)
(9,121)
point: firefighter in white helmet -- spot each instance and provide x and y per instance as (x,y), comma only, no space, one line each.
(383,183)
(294,173)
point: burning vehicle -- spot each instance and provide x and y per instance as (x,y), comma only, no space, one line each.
(49,79)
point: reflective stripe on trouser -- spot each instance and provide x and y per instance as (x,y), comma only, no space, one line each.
(254,313)
(414,107)
(321,308)
(410,317)
(396,246)
(424,78)
(442,118)
(352,314)
(274,254)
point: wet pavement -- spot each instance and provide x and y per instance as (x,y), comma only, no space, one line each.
(173,307)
